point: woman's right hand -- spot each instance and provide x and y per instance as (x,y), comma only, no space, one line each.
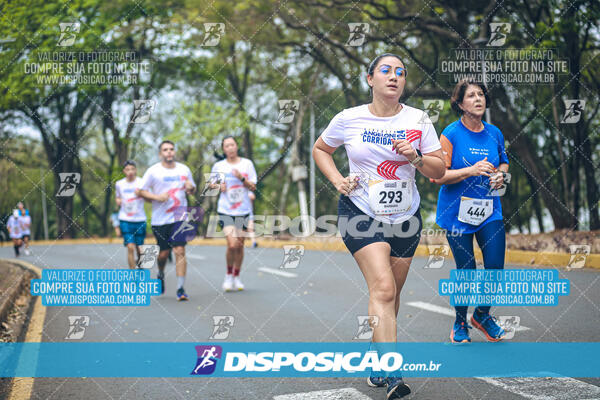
(482,167)
(223,186)
(163,197)
(346,185)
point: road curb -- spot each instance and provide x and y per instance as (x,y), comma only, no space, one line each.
(16,276)
(22,387)
(512,256)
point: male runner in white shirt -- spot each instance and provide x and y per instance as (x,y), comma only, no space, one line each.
(166,184)
(25,221)
(132,218)
(14,230)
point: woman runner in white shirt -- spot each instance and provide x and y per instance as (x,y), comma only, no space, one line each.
(385,142)
(234,207)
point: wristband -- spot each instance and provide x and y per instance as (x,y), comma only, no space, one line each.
(417,159)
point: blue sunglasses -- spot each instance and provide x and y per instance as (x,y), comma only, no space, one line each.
(385,69)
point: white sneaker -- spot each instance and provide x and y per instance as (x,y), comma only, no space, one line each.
(228,283)
(27,252)
(237,283)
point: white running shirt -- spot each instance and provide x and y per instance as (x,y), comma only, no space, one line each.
(235,201)
(25,221)
(158,180)
(368,144)
(15,227)
(132,206)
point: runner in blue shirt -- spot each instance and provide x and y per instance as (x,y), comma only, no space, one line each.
(469,202)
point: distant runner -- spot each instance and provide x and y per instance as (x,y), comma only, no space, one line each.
(234,208)
(25,221)
(132,218)
(14,230)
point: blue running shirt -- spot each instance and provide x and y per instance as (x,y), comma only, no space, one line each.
(463,148)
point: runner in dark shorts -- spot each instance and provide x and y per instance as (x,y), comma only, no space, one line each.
(166,184)
(386,142)
(234,207)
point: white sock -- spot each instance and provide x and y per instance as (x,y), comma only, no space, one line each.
(180,281)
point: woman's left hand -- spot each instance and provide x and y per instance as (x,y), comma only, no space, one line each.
(497,180)
(236,173)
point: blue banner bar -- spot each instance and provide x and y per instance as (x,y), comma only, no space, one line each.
(238,359)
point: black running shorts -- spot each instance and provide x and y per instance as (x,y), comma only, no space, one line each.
(359,230)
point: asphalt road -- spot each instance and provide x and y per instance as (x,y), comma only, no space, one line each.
(320,303)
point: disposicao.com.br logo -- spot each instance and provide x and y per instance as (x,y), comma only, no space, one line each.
(302,363)
(307,361)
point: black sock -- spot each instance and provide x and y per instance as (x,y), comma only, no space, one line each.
(461,313)
(16,249)
(482,310)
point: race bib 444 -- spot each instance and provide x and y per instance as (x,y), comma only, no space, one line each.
(474,211)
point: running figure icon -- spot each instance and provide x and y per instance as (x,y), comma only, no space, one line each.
(207,359)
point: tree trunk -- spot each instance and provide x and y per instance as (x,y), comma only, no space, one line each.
(64,212)
(562,216)
(248,144)
(516,212)
(563,171)
(537,206)
(591,185)
(285,190)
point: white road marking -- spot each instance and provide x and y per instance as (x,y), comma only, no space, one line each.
(547,388)
(447,311)
(529,388)
(334,394)
(195,257)
(278,272)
